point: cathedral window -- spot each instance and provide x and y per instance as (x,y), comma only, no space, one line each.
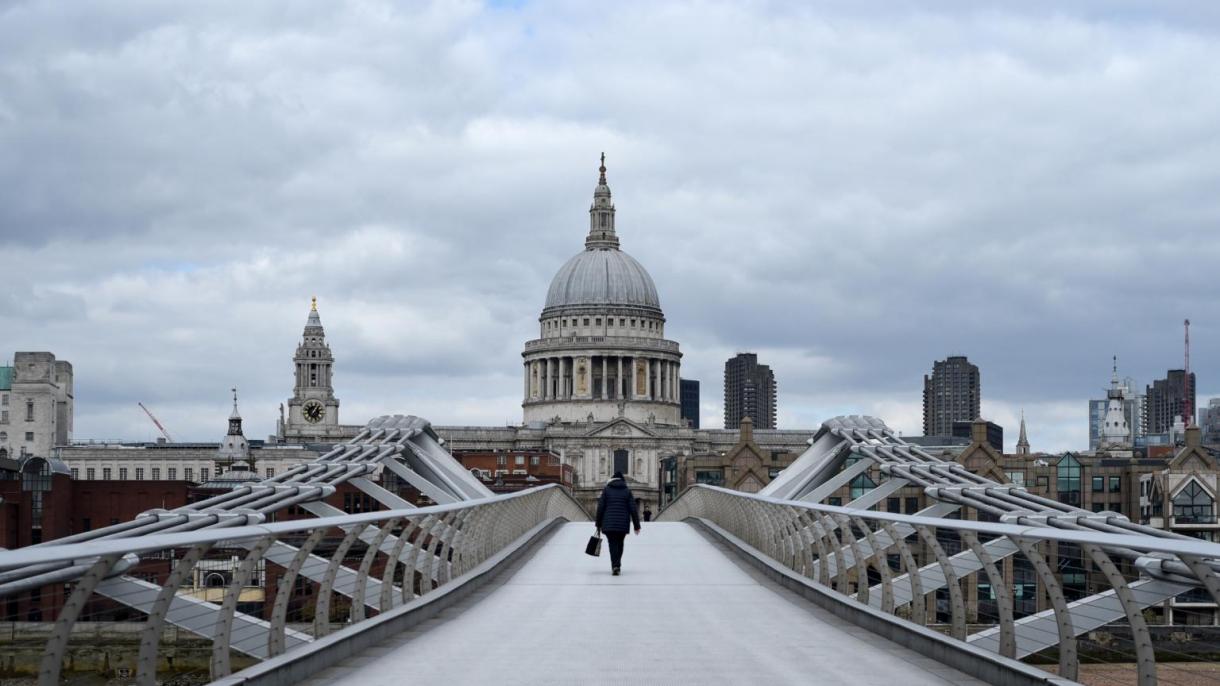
(106,473)
(122,473)
(29,410)
(598,321)
(586,321)
(156,474)
(139,473)
(603,219)
(610,321)
(622,322)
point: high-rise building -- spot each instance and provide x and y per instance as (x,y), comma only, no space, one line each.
(951,394)
(749,391)
(689,398)
(1167,399)
(1209,421)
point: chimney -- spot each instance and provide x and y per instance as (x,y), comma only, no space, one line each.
(1194,436)
(978,431)
(747,431)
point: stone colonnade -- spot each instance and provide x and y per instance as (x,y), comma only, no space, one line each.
(602,377)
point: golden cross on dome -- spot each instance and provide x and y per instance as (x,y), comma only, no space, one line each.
(314,304)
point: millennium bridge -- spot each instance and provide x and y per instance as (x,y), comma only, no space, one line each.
(726,587)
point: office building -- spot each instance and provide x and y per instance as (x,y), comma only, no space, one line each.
(688,395)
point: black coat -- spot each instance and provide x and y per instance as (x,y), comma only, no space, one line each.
(616,510)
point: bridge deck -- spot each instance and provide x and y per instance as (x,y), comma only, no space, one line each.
(684,611)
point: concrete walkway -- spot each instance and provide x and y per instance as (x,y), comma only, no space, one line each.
(685,611)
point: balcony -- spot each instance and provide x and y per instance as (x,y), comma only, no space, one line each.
(607,342)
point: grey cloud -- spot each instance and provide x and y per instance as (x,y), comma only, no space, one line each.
(856,190)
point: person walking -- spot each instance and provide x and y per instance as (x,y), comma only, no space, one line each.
(616,513)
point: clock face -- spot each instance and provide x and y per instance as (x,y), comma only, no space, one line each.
(313,412)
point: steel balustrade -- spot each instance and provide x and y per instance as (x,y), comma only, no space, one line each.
(811,546)
(445,542)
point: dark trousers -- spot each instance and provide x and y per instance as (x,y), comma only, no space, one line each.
(615,538)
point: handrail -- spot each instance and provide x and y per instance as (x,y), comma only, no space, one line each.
(135,544)
(1175,546)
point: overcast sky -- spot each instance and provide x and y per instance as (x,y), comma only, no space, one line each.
(849,193)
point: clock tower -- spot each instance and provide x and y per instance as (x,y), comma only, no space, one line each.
(313,409)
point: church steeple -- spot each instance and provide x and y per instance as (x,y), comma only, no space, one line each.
(601,215)
(235,418)
(1022,440)
(234,448)
(313,410)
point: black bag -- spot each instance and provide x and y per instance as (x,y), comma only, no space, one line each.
(594,546)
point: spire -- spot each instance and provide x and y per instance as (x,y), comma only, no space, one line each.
(235,417)
(236,414)
(601,215)
(1022,439)
(314,319)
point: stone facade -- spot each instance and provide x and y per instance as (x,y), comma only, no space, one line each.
(601,384)
(36,405)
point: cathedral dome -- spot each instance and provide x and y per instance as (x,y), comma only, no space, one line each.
(601,277)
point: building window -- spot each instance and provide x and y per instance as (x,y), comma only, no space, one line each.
(1192,505)
(3,416)
(203,474)
(610,321)
(836,501)
(534,461)
(1044,484)
(622,322)
(188,473)
(501,460)
(912,504)
(893,505)
(270,472)
(90,473)
(598,321)
(106,473)
(713,477)
(1116,484)
(1099,484)
(122,473)
(1067,475)
(4,399)
(156,474)
(3,436)
(520,460)
(139,473)
(29,410)
(586,321)
(1016,478)
(171,473)
(75,473)
(29,437)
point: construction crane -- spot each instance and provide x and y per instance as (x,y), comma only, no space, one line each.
(158,423)
(1188,389)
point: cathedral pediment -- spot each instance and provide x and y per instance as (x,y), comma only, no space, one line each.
(621,428)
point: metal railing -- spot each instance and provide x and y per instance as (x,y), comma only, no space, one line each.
(874,558)
(374,562)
